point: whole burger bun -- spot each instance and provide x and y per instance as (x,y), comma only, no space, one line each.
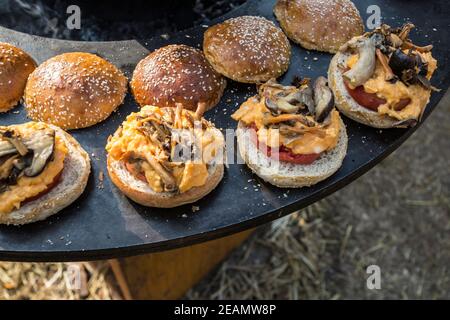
(247,49)
(322,25)
(176,74)
(74,90)
(15,67)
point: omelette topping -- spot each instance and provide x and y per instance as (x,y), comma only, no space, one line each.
(300,119)
(170,149)
(31,163)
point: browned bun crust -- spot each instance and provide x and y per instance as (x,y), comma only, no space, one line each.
(247,49)
(143,195)
(74,90)
(322,25)
(177,74)
(15,67)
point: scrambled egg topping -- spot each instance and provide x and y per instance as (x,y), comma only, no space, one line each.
(131,145)
(29,187)
(312,140)
(394,92)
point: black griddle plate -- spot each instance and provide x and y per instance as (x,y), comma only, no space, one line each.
(103,223)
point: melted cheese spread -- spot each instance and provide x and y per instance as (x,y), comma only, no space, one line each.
(29,187)
(131,141)
(311,140)
(394,92)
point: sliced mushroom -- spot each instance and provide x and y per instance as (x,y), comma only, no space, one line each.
(291,131)
(7,166)
(323,99)
(170,183)
(426,83)
(178,115)
(409,45)
(190,119)
(405,123)
(400,62)
(23,162)
(150,131)
(6,148)
(306,97)
(389,75)
(395,40)
(286,107)
(365,66)
(3,186)
(406,29)
(201,108)
(15,141)
(42,145)
(272,106)
(270,84)
(290,117)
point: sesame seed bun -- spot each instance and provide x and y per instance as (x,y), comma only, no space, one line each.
(141,193)
(322,25)
(177,74)
(247,49)
(74,90)
(289,175)
(15,67)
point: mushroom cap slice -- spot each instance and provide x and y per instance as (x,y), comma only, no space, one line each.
(365,66)
(6,148)
(15,141)
(42,145)
(323,99)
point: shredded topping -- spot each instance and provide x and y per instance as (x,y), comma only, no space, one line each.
(386,63)
(296,118)
(170,149)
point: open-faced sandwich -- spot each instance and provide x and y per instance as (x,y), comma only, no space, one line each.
(292,136)
(382,79)
(42,170)
(166,157)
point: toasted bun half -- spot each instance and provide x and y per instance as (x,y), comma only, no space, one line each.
(317,24)
(74,90)
(247,49)
(71,185)
(349,107)
(15,67)
(177,74)
(141,193)
(287,175)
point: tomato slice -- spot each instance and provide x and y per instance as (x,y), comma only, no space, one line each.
(283,153)
(49,188)
(287,156)
(371,100)
(363,98)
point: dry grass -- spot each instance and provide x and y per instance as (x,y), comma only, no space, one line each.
(55,281)
(283,261)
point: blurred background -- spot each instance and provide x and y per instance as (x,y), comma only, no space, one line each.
(397,216)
